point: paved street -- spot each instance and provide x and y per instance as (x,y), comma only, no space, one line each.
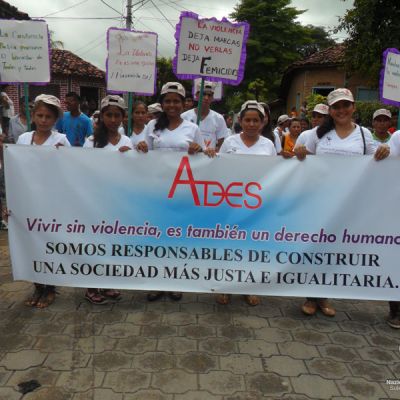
(191,350)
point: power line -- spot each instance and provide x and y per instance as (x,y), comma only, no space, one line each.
(67,8)
(154,4)
(77,18)
(112,8)
(92,41)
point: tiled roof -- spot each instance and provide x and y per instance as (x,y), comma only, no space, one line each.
(330,56)
(7,11)
(66,63)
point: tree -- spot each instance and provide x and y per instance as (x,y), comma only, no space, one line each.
(276,40)
(372,26)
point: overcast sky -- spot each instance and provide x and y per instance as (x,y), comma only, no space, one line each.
(86,37)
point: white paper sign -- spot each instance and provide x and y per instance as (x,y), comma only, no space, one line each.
(24,52)
(217,89)
(391,80)
(131,62)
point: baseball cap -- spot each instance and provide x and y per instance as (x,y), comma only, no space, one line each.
(321,109)
(338,95)
(52,100)
(283,118)
(382,111)
(173,87)
(112,100)
(154,108)
(208,86)
(252,105)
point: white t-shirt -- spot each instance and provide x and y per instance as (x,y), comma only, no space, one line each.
(278,143)
(304,136)
(331,143)
(54,139)
(394,144)
(123,141)
(234,145)
(139,137)
(178,139)
(212,127)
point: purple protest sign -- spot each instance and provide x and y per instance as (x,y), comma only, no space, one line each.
(389,84)
(24,52)
(131,62)
(211,49)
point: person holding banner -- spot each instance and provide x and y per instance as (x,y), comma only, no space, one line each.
(249,141)
(46,110)
(106,136)
(171,133)
(212,124)
(338,135)
(139,118)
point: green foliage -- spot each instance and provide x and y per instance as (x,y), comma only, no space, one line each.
(276,40)
(312,101)
(365,110)
(372,26)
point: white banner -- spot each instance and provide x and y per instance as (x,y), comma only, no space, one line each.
(131,62)
(324,227)
(24,52)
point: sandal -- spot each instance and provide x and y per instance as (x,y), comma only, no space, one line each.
(33,300)
(111,294)
(223,299)
(47,298)
(95,297)
(252,300)
(176,296)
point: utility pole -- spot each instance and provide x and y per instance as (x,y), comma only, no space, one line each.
(129,15)
(130,96)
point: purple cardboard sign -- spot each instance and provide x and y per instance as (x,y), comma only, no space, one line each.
(131,62)
(389,83)
(210,49)
(24,52)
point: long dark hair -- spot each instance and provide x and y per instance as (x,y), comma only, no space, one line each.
(163,121)
(100,135)
(325,127)
(267,128)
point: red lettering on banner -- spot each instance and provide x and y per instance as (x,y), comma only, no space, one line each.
(234,194)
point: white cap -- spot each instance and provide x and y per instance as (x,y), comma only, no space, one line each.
(52,100)
(113,100)
(154,108)
(338,95)
(208,86)
(321,109)
(283,118)
(252,105)
(382,111)
(173,87)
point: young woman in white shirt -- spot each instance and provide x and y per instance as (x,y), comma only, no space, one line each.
(106,136)
(338,135)
(46,110)
(139,119)
(249,141)
(169,132)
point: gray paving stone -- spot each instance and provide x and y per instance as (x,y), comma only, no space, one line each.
(286,323)
(7,393)
(244,396)
(361,389)
(392,391)
(14,343)
(111,361)
(45,329)
(347,339)
(163,307)
(216,318)
(355,327)
(179,318)
(268,384)
(4,376)
(82,330)
(154,361)
(217,346)
(327,368)
(379,356)
(176,345)
(322,325)
(54,344)
(22,360)
(338,352)
(250,321)
(197,362)
(136,345)
(157,331)
(144,318)
(382,341)
(197,308)
(80,380)
(241,364)
(53,393)
(298,350)
(311,337)
(197,332)
(315,387)
(106,317)
(221,382)
(198,395)
(284,366)
(258,348)
(121,330)
(45,376)
(273,335)
(236,332)
(66,360)
(95,344)
(147,395)
(98,394)
(369,370)
(126,380)
(174,381)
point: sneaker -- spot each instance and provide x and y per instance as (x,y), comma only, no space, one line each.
(393,322)
(326,308)
(309,307)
